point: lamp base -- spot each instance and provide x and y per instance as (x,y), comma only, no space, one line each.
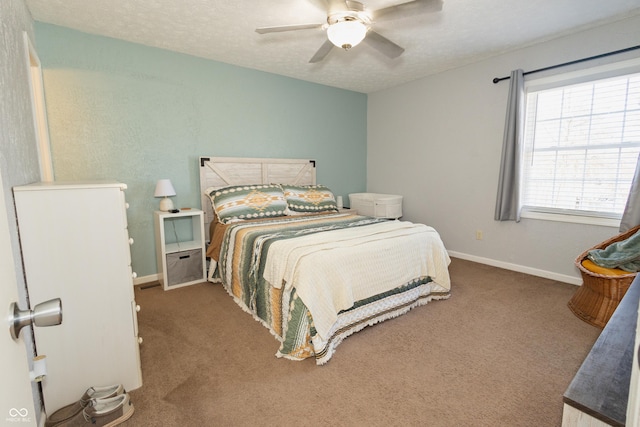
(166,204)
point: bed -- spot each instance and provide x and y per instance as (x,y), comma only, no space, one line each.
(312,275)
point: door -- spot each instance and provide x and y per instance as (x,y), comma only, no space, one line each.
(16,398)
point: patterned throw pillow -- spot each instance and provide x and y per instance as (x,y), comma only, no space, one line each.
(247,202)
(309,198)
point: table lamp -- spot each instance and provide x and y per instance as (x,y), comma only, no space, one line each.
(165,189)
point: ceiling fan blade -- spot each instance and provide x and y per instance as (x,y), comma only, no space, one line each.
(354,5)
(264,30)
(383,44)
(337,6)
(408,8)
(322,52)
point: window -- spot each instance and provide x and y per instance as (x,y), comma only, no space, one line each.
(581,145)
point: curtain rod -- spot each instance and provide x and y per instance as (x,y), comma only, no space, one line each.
(602,55)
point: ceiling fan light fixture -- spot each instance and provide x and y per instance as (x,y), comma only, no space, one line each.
(347,34)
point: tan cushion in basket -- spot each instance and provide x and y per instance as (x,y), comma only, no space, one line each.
(595,268)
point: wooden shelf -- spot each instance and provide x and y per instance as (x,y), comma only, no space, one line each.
(182,246)
(180,262)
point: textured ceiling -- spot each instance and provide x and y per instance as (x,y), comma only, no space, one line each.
(465,31)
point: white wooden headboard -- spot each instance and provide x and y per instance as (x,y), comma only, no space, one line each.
(218,172)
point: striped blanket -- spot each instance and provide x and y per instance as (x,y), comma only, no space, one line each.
(312,281)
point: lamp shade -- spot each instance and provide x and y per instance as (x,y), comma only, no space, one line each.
(346,34)
(164,188)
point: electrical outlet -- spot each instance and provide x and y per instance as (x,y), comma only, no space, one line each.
(478,234)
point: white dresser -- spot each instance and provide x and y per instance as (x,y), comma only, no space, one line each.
(76,246)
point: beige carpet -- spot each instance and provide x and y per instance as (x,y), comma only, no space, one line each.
(500,352)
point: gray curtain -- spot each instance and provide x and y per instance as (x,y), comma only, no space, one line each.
(631,215)
(508,199)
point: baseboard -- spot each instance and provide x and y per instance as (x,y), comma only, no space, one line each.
(519,268)
(145,279)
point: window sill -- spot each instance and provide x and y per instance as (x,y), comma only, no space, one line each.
(576,219)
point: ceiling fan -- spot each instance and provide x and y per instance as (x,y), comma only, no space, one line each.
(349,22)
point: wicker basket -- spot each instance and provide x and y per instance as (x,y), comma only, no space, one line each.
(599,296)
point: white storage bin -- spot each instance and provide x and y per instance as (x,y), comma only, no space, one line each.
(377,205)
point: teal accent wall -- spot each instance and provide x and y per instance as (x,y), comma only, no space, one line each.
(135,114)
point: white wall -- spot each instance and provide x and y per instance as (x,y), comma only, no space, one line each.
(114,105)
(437,141)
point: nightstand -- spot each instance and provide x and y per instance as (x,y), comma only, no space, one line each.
(180,251)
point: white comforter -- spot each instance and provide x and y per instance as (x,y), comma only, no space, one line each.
(334,269)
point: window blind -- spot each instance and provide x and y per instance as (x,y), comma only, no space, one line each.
(581,145)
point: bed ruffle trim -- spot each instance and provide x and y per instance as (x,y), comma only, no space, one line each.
(246,309)
(347,325)
(353,321)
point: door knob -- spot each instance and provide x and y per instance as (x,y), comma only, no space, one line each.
(48,313)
